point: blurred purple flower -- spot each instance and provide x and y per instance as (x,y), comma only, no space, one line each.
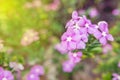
(37,70)
(115,76)
(75,57)
(32,76)
(93,12)
(61,48)
(106,48)
(116,12)
(119,64)
(68,66)
(6,75)
(1,71)
(103,34)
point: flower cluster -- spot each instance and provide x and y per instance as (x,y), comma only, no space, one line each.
(76,36)
(5,75)
(35,72)
(29,37)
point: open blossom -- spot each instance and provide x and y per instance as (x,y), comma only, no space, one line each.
(93,12)
(115,76)
(103,34)
(75,57)
(69,40)
(32,76)
(76,23)
(38,70)
(35,73)
(68,66)
(29,37)
(5,75)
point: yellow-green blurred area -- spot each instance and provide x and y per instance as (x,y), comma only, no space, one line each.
(47,19)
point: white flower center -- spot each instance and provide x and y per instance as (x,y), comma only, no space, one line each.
(4,78)
(37,70)
(69,39)
(74,55)
(96,26)
(31,76)
(118,77)
(76,27)
(86,25)
(104,33)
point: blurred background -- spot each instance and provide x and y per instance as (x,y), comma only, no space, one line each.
(30,29)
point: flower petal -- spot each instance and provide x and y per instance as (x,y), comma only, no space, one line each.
(110,37)
(103,40)
(103,26)
(74,15)
(72,46)
(81,45)
(97,34)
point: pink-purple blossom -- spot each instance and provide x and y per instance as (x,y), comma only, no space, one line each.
(68,66)
(115,76)
(32,76)
(103,33)
(116,12)
(75,57)
(37,69)
(74,40)
(5,74)
(93,12)
(69,40)
(61,48)
(35,73)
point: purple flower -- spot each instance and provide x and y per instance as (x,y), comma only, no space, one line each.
(81,38)
(115,76)
(75,57)
(69,40)
(68,66)
(32,76)
(1,71)
(93,12)
(116,12)
(6,75)
(37,70)
(76,22)
(90,28)
(61,48)
(103,34)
